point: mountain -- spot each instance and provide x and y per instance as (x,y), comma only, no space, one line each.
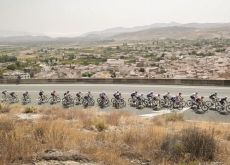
(25,39)
(118,30)
(178,32)
(154,31)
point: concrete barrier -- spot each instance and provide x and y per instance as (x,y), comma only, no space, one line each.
(119,81)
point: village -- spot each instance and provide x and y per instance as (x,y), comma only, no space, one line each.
(157,59)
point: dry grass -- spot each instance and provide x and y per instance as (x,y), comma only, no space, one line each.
(4,108)
(113,138)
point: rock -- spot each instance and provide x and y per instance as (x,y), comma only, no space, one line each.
(56,157)
(26,116)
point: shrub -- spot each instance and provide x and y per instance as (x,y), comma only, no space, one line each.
(228,137)
(199,143)
(173,147)
(4,108)
(100,126)
(30,110)
(174,117)
(6,125)
(12,67)
(87,74)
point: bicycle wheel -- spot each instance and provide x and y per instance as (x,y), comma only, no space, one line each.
(228,108)
(208,103)
(220,108)
(204,108)
(189,103)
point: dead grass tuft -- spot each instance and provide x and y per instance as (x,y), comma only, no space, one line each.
(174,117)
(4,108)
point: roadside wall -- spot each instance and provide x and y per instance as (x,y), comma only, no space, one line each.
(119,81)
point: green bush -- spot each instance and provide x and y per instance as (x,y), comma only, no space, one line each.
(12,66)
(87,74)
(30,110)
(6,58)
(100,126)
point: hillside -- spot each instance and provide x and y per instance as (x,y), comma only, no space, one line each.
(148,32)
(176,32)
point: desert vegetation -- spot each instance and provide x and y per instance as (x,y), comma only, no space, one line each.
(60,136)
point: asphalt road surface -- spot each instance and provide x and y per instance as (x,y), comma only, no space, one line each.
(126,90)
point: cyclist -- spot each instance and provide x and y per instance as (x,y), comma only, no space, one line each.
(213,97)
(41,94)
(67,95)
(199,101)
(88,96)
(12,94)
(140,98)
(156,97)
(103,97)
(78,95)
(194,96)
(4,93)
(134,95)
(53,94)
(179,97)
(150,96)
(167,95)
(25,95)
(117,95)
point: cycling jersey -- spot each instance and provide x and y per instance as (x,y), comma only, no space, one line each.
(150,95)
(223,100)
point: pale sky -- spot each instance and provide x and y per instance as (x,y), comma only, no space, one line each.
(74,17)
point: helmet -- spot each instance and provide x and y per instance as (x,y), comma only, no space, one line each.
(179,93)
(135,91)
(26,92)
(168,92)
(202,97)
(226,97)
(215,93)
(159,95)
(196,93)
(67,92)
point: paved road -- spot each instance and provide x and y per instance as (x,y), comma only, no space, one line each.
(126,90)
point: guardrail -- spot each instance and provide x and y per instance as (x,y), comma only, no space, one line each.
(119,81)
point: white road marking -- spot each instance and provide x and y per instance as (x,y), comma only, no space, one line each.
(162,112)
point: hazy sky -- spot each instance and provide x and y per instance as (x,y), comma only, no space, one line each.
(74,17)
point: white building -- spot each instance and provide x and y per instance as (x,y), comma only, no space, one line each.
(115,62)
